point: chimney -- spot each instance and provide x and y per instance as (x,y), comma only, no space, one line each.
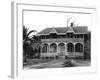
(71,24)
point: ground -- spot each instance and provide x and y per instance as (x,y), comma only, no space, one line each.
(55,63)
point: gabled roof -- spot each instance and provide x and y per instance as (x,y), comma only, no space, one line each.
(70,29)
(63,30)
(53,30)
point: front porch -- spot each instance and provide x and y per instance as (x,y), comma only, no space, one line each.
(62,49)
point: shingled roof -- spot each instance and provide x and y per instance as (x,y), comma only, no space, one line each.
(63,30)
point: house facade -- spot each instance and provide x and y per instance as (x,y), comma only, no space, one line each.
(63,42)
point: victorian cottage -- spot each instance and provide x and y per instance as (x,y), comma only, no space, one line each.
(58,42)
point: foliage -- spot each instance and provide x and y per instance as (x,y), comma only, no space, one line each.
(87,47)
(68,63)
(87,50)
(30,44)
(26,33)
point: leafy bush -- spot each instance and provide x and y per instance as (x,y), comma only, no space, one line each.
(68,63)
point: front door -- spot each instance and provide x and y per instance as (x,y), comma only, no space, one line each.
(61,48)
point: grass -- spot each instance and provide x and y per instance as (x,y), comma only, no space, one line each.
(54,63)
(35,61)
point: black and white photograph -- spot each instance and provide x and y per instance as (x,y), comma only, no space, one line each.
(56,39)
(50,40)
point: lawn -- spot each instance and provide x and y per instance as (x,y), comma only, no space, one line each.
(54,63)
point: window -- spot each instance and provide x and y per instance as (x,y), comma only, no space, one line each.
(53,48)
(78,47)
(70,47)
(45,48)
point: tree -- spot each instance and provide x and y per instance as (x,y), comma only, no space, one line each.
(87,48)
(26,33)
(36,42)
(27,41)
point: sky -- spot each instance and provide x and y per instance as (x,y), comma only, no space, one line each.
(36,20)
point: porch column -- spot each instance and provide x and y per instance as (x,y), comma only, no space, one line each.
(83,49)
(57,49)
(65,49)
(41,50)
(74,49)
(48,51)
